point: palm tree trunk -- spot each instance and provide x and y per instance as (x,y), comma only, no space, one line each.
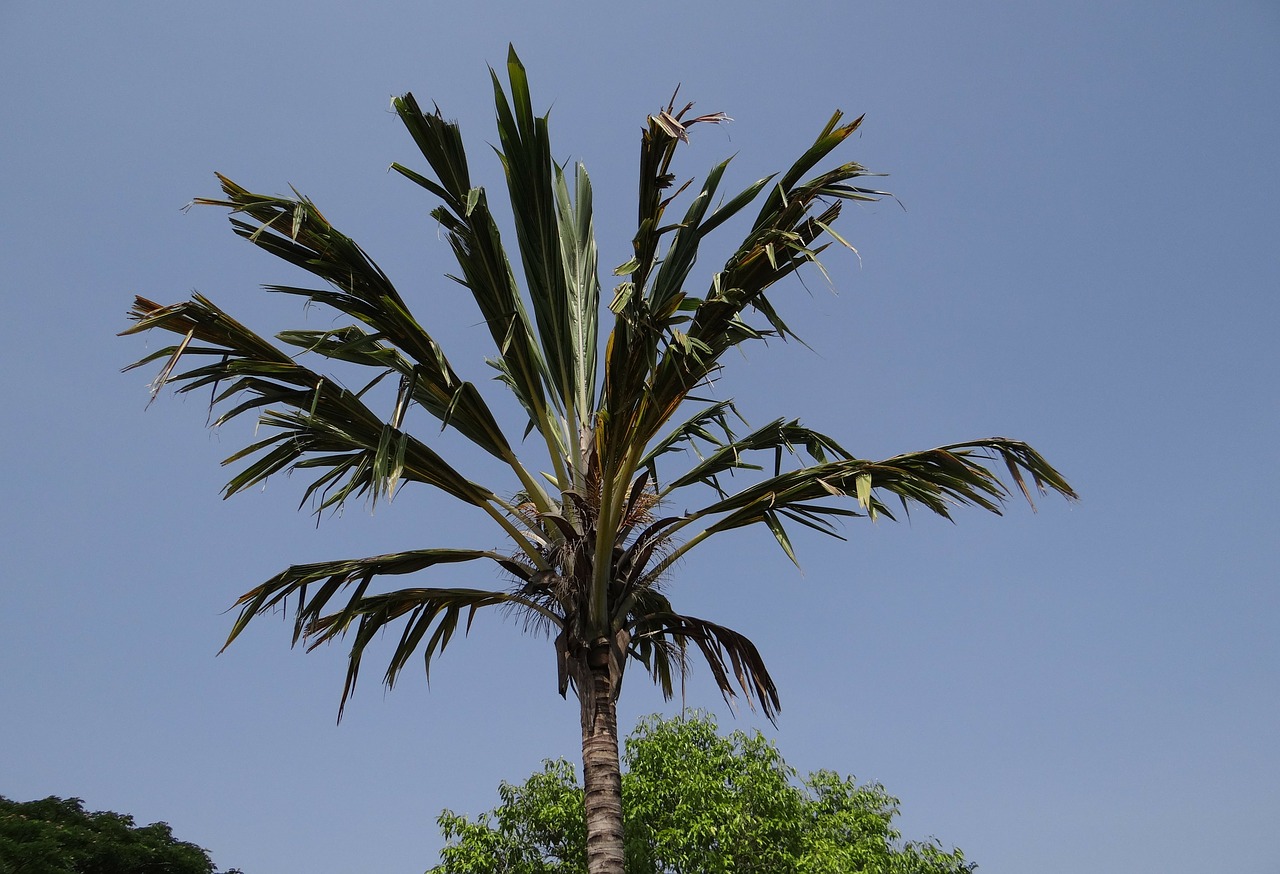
(601,772)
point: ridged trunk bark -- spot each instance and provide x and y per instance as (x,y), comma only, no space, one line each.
(601,772)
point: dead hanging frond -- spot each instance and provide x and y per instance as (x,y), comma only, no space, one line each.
(675,126)
(660,638)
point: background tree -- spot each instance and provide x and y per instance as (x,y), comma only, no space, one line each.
(593,537)
(58,836)
(697,802)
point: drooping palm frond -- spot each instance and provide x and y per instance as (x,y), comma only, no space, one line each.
(938,480)
(436,610)
(660,638)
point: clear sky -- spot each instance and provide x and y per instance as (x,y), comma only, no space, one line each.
(1087,260)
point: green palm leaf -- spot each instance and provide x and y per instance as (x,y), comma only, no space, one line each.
(437,610)
(938,480)
(294,230)
(486,273)
(556,241)
(323,424)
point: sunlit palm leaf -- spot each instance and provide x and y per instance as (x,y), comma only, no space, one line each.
(555,239)
(578,247)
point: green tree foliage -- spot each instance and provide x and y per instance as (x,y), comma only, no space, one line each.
(697,802)
(58,836)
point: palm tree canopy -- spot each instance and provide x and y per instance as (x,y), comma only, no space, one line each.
(590,541)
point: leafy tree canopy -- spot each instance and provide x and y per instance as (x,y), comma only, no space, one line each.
(58,836)
(697,802)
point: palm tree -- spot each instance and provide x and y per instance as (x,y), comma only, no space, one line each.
(592,542)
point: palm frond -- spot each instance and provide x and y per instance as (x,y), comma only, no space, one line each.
(323,424)
(782,240)
(641,313)
(555,238)
(832,135)
(938,480)
(777,437)
(321,617)
(697,427)
(477,246)
(734,661)
(434,611)
(581,260)
(296,231)
(652,365)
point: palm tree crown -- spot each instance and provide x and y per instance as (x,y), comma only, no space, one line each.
(590,540)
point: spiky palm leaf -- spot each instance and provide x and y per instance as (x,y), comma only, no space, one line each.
(589,552)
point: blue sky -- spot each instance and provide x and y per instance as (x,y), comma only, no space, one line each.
(1086,260)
